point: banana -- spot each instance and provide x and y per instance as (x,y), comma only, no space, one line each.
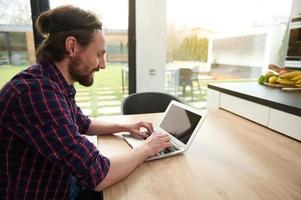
(286,82)
(298,85)
(296,78)
(290,75)
(298,82)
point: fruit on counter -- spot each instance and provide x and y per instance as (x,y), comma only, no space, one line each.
(273,79)
(262,79)
(282,71)
(285,82)
(271,73)
(269,77)
(290,75)
(280,76)
(292,78)
(296,78)
(277,68)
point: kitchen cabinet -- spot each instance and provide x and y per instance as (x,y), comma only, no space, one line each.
(212,98)
(250,110)
(285,123)
(270,107)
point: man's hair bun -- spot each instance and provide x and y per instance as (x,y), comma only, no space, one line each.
(43,24)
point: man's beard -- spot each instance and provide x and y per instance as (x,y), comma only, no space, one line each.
(79,73)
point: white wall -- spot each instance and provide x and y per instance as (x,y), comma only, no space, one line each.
(151,45)
(275,36)
(239,50)
(296,8)
(256,50)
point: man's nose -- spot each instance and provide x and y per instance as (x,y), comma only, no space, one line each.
(102,64)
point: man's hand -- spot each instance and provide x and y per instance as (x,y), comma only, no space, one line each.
(156,142)
(135,129)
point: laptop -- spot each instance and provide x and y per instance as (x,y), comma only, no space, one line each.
(181,122)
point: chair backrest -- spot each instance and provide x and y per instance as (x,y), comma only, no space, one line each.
(185,76)
(146,102)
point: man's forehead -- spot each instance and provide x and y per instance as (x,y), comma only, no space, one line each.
(99,38)
(100,34)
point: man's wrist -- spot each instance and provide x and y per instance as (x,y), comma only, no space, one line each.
(122,128)
(143,151)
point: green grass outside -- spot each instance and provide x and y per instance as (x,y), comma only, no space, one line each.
(7,72)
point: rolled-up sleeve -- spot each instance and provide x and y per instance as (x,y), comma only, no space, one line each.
(48,126)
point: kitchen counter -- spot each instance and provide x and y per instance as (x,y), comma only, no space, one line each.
(287,101)
(271,107)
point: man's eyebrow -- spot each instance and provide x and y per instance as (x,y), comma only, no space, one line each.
(102,51)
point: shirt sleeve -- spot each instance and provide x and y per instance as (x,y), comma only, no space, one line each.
(83,121)
(47,125)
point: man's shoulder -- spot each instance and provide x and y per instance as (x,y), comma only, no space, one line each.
(32,78)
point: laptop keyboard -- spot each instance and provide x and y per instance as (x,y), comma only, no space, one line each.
(169,150)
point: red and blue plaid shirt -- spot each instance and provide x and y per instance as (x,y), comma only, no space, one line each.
(41,146)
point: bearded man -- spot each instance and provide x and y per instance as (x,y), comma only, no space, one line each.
(43,154)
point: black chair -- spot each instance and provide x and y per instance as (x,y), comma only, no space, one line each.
(195,76)
(146,102)
(186,80)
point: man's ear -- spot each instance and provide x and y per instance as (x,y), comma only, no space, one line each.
(71,46)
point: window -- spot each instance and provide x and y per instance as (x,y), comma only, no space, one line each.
(222,41)
(16,38)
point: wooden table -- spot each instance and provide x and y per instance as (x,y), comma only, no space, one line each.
(230,158)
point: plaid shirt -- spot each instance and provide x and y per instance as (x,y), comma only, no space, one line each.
(41,146)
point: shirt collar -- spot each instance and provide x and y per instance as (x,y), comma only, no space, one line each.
(58,77)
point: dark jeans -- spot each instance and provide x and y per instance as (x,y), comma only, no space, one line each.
(77,193)
(89,195)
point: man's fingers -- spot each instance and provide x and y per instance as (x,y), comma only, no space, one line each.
(164,136)
(144,134)
(168,144)
(151,127)
(148,126)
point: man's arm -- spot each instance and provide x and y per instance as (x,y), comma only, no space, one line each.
(122,165)
(98,127)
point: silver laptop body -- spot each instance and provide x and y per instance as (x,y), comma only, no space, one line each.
(181,122)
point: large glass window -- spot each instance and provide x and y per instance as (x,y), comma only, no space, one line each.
(220,40)
(16,38)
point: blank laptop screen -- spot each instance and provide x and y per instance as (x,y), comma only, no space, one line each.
(180,123)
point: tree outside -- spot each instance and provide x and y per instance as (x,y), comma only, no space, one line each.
(192,48)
